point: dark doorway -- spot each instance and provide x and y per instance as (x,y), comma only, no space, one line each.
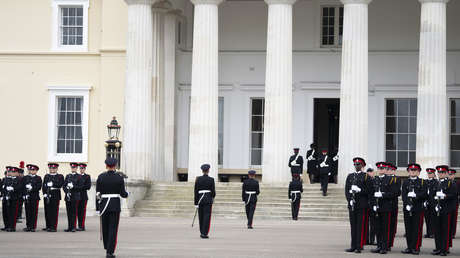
(326,124)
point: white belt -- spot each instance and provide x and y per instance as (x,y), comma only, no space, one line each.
(53,188)
(107,196)
(203,192)
(110,196)
(295,196)
(295,192)
(250,194)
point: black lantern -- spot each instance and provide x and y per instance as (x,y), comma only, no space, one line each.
(113,129)
(113,145)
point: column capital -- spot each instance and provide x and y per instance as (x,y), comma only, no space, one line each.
(356,1)
(289,2)
(142,2)
(215,2)
(433,1)
(162,6)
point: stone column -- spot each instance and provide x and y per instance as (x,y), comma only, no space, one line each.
(278,93)
(204,95)
(137,135)
(353,128)
(432,131)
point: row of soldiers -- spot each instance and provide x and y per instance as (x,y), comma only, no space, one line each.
(17,189)
(374,198)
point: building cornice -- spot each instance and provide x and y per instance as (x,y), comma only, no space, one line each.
(210,2)
(288,2)
(356,1)
(141,2)
(433,1)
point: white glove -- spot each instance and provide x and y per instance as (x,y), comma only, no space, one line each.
(408,207)
(45,196)
(352,203)
(310,158)
(374,208)
(9,188)
(196,206)
(335,158)
(355,188)
(29,186)
(49,184)
(440,195)
(436,208)
(378,194)
(411,194)
(70,185)
(425,204)
(329,174)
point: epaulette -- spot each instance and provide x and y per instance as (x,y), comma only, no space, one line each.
(422,181)
(365,178)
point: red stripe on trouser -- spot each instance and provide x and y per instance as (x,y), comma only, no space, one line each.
(455,221)
(448,232)
(367,226)
(362,229)
(76,214)
(395,228)
(116,233)
(210,216)
(36,216)
(389,226)
(84,215)
(57,215)
(420,229)
(15,215)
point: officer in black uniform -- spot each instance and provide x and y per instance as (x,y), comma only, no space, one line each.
(357,190)
(375,218)
(32,186)
(110,187)
(52,183)
(431,184)
(394,214)
(372,214)
(453,215)
(12,192)
(444,200)
(72,189)
(296,163)
(250,191)
(324,164)
(414,194)
(86,185)
(21,200)
(312,165)
(205,192)
(4,211)
(295,194)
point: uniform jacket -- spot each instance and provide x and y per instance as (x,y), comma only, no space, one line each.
(86,185)
(73,194)
(449,203)
(361,199)
(326,169)
(36,182)
(420,188)
(312,165)
(250,185)
(298,168)
(110,182)
(55,190)
(205,182)
(16,183)
(295,185)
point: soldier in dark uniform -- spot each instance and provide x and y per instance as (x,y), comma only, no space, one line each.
(334,166)
(394,215)
(72,189)
(296,163)
(375,218)
(81,209)
(250,191)
(12,193)
(295,194)
(312,165)
(431,184)
(372,214)
(110,187)
(414,194)
(52,183)
(205,192)
(444,200)
(453,224)
(32,187)
(324,163)
(4,210)
(21,200)
(357,190)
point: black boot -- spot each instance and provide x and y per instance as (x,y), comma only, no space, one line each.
(350,250)
(406,251)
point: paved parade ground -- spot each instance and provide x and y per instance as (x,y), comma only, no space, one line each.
(173,237)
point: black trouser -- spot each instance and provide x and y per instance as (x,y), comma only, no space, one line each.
(413,223)
(110,221)
(250,209)
(441,226)
(204,216)
(12,210)
(394,226)
(295,205)
(21,203)
(429,222)
(358,224)
(372,228)
(324,179)
(31,213)
(383,229)
(81,213)
(5,212)
(51,213)
(453,225)
(71,207)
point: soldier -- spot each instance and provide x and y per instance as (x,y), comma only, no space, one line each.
(21,200)
(249,194)
(32,186)
(81,209)
(52,183)
(444,200)
(394,214)
(357,190)
(324,162)
(372,214)
(4,210)
(453,215)
(13,189)
(312,165)
(335,165)
(431,184)
(296,163)
(205,192)
(295,194)
(414,194)
(110,187)
(72,189)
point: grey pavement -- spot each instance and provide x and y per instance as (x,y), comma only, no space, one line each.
(173,237)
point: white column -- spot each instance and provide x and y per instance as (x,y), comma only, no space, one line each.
(432,131)
(353,128)
(204,95)
(278,93)
(137,135)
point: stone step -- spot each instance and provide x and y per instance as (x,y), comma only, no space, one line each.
(239,203)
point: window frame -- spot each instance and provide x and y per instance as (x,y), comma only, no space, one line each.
(251,132)
(336,7)
(70,91)
(56,31)
(450,117)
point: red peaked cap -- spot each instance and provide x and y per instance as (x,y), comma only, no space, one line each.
(21,164)
(359,160)
(430,170)
(442,168)
(414,166)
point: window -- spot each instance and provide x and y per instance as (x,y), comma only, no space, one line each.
(400,132)
(68,124)
(220,157)
(455,133)
(257,130)
(70,25)
(331,26)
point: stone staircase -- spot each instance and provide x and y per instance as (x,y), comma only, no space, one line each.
(176,200)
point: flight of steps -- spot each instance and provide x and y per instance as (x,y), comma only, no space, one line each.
(176,200)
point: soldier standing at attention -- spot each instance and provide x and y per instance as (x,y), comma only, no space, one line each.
(372,214)
(431,184)
(110,187)
(394,215)
(296,163)
(12,192)
(205,192)
(52,184)
(250,191)
(72,189)
(312,165)
(453,224)
(32,185)
(295,194)
(81,209)
(21,200)
(357,190)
